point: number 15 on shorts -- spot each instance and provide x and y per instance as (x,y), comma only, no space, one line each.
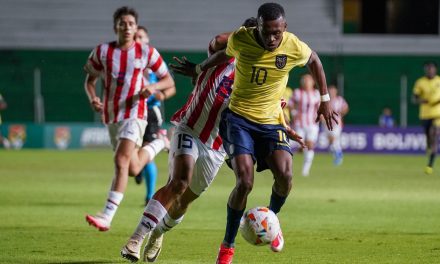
(184,141)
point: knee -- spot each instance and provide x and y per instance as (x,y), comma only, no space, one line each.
(178,186)
(245,185)
(121,160)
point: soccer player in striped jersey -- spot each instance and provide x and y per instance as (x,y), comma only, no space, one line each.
(305,103)
(122,64)
(340,106)
(195,156)
(155,120)
(252,129)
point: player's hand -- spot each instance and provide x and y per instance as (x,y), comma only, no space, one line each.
(295,137)
(96,104)
(159,96)
(148,90)
(326,111)
(184,67)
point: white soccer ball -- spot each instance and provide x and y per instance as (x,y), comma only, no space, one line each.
(259,226)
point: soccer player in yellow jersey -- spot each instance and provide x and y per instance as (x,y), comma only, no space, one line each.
(251,128)
(427,94)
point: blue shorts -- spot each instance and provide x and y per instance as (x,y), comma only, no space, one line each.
(241,136)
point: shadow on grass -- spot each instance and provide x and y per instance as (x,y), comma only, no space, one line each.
(87,262)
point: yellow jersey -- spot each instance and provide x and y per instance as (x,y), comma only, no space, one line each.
(287,95)
(261,75)
(429,90)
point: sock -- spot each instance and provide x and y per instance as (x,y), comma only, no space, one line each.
(150,176)
(232,225)
(308,159)
(154,147)
(166,225)
(153,214)
(431,159)
(276,202)
(111,206)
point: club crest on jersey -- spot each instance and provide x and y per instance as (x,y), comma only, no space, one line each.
(137,63)
(280,61)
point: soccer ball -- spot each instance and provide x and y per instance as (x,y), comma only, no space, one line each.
(259,226)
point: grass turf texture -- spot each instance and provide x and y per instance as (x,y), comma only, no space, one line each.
(373,209)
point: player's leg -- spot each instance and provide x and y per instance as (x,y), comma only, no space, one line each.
(125,135)
(309,153)
(150,176)
(240,147)
(206,168)
(434,132)
(174,217)
(147,153)
(275,154)
(181,162)
(335,145)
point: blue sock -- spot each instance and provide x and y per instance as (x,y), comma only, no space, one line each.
(276,202)
(150,176)
(232,225)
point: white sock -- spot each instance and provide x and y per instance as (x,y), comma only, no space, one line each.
(308,159)
(154,147)
(111,206)
(153,214)
(166,225)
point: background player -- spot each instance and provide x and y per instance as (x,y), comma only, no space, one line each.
(426,92)
(3,140)
(121,63)
(304,103)
(155,120)
(264,56)
(340,106)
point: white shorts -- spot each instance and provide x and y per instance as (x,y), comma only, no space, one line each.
(309,133)
(132,129)
(207,160)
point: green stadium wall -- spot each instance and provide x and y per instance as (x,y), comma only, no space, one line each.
(371,83)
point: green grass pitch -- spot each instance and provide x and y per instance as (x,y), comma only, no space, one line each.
(372,209)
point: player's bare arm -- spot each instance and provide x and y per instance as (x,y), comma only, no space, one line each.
(90,88)
(187,68)
(315,67)
(164,83)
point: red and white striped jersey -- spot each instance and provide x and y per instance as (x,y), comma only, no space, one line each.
(123,75)
(210,97)
(306,105)
(338,105)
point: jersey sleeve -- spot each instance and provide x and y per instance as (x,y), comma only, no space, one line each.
(417,90)
(301,52)
(231,48)
(93,65)
(156,63)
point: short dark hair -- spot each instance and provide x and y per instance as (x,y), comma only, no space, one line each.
(250,22)
(124,11)
(428,63)
(143,28)
(270,11)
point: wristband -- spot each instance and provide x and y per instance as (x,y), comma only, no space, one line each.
(198,69)
(325,98)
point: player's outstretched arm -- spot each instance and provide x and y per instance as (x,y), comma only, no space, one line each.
(187,68)
(325,109)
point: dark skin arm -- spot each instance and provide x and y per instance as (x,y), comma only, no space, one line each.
(187,68)
(325,110)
